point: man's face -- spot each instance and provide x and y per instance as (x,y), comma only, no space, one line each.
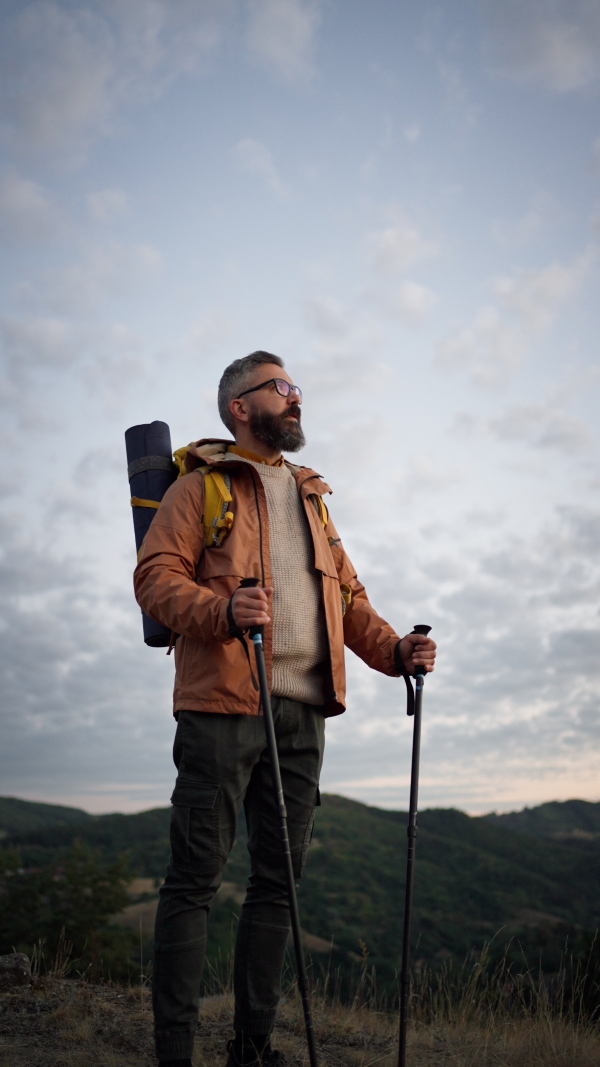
(274,419)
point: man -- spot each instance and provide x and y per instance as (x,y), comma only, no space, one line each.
(310,602)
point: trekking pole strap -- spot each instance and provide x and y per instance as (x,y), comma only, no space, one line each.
(418,674)
(410,696)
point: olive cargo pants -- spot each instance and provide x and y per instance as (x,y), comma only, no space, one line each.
(222,763)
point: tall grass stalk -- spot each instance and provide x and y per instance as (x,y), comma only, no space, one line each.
(56,965)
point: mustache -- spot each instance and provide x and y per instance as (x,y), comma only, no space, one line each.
(294,409)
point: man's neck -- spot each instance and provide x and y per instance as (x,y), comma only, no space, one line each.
(258,451)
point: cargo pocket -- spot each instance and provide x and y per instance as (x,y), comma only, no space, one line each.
(309,833)
(195,825)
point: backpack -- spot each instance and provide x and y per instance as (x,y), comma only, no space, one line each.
(217,519)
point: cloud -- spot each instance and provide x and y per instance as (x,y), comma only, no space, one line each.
(76,695)
(542,212)
(256,158)
(412,132)
(281,36)
(105,205)
(488,347)
(533,296)
(43,356)
(511,714)
(104,271)
(423,475)
(457,98)
(399,246)
(209,335)
(498,338)
(554,44)
(328,316)
(66,68)
(34,343)
(27,214)
(544,426)
(512,711)
(411,303)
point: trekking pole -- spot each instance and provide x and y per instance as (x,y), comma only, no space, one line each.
(256,633)
(419,676)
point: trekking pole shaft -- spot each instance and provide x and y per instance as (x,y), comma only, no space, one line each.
(410,865)
(285,841)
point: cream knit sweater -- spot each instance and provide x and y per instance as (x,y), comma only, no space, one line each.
(298,620)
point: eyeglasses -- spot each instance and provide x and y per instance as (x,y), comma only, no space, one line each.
(283,388)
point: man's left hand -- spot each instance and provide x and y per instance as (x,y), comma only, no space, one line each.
(417,651)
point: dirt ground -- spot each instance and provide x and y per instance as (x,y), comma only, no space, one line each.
(67,1023)
(64,1023)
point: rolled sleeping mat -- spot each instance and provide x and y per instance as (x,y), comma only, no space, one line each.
(151,471)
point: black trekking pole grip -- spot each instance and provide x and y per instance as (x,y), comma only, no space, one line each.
(256,633)
(251,583)
(411,831)
(420,628)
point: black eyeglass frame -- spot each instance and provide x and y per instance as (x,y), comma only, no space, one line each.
(276,382)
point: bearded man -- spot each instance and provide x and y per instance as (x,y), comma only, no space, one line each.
(310,603)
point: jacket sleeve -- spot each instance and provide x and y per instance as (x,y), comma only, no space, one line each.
(365,632)
(165,577)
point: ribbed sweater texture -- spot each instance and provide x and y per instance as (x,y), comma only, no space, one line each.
(298,619)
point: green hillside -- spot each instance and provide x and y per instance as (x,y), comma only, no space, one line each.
(145,837)
(21,816)
(572,822)
(474,876)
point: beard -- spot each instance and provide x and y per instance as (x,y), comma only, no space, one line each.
(275,431)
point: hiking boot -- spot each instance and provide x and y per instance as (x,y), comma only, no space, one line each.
(269,1058)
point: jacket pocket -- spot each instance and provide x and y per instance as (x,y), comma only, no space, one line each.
(195,825)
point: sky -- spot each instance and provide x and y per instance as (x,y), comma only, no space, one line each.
(403,201)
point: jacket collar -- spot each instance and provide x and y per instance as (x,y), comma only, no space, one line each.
(212,450)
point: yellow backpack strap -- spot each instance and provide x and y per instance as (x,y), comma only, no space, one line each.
(217,519)
(138,502)
(320,508)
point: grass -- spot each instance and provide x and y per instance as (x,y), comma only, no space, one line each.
(62,1023)
(466,1017)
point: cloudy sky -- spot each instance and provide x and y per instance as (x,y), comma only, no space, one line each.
(403,200)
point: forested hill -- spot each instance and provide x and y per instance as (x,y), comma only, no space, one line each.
(474,876)
(574,822)
(22,816)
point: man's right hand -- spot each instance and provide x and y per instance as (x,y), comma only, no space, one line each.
(250,607)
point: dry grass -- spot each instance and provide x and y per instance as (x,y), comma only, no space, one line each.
(66,1023)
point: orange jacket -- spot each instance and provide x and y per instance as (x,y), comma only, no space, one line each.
(187,588)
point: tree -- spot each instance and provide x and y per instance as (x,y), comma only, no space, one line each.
(77,895)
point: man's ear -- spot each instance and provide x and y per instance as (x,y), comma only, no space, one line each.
(239,410)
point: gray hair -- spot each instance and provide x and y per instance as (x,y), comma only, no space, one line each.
(236,377)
